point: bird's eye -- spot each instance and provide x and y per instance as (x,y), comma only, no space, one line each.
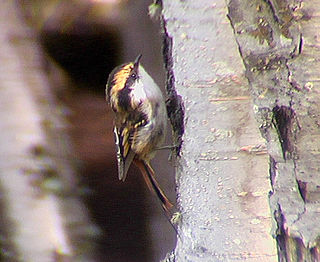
(134,76)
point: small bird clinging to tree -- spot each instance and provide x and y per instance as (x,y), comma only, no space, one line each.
(140,122)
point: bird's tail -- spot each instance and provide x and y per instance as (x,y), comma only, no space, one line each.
(149,177)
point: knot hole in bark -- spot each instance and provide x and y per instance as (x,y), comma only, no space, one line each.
(284,118)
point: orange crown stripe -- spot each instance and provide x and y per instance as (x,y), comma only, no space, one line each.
(122,76)
(120,79)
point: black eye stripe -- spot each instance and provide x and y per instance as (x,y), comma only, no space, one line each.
(124,98)
(131,79)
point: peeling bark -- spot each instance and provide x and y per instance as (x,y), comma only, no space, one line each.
(278,42)
(174,102)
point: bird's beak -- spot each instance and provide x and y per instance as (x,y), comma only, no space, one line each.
(137,61)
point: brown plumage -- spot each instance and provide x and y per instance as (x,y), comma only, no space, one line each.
(140,122)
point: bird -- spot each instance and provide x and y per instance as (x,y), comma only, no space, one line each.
(140,122)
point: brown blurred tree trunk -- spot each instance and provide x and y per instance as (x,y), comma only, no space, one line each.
(223,175)
(41,216)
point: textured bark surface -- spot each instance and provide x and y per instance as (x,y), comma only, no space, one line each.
(41,217)
(279,44)
(222,175)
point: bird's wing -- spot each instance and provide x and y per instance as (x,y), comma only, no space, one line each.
(125,155)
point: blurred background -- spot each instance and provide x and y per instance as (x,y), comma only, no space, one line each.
(82,41)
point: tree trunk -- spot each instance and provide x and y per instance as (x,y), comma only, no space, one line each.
(223,179)
(222,174)
(283,71)
(41,216)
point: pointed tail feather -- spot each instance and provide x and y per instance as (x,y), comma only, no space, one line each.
(149,177)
